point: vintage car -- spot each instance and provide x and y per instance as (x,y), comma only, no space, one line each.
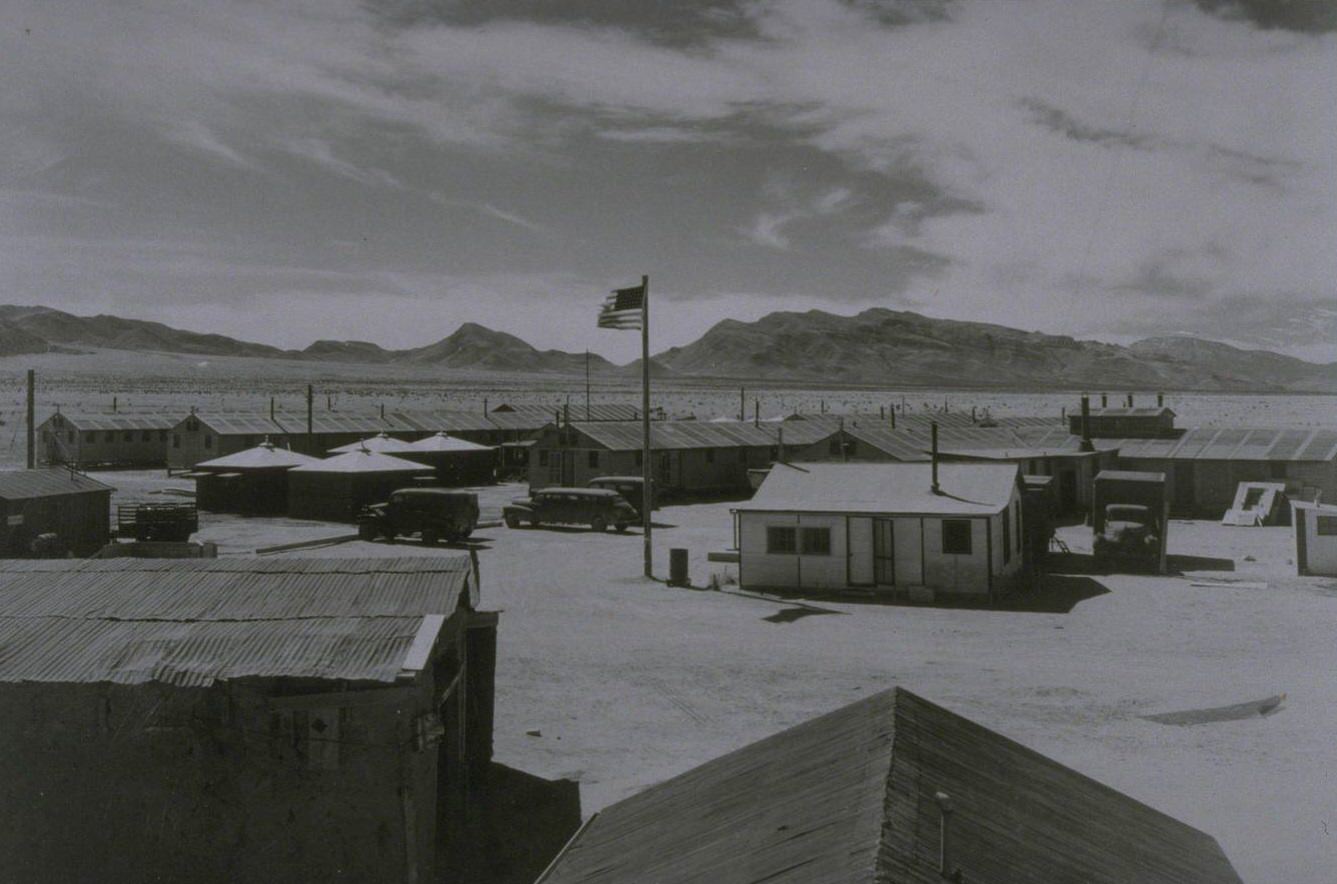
(598,508)
(1129,533)
(431,513)
(630,487)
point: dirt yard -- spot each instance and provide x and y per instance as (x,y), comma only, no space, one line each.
(619,682)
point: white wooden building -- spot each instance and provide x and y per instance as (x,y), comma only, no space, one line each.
(884,528)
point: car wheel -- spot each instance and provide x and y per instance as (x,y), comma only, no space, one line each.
(621,527)
(512,521)
(367,532)
(535,523)
(429,537)
(599,524)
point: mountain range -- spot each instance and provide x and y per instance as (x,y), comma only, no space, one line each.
(878,347)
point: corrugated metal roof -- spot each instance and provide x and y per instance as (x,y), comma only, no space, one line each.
(850,797)
(198,654)
(193,621)
(342,423)
(362,461)
(122,421)
(241,424)
(449,421)
(596,411)
(1239,443)
(672,435)
(1124,411)
(894,443)
(265,456)
(968,489)
(31,484)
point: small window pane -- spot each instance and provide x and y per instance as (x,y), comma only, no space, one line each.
(781,540)
(956,537)
(1327,526)
(817,541)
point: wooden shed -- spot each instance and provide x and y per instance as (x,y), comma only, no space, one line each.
(1206,465)
(337,488)
(896,528)
(254,481)
(205,436)
(891,788)
(120,439)
(457,462)
(57,501)
(234,719)
(688,458)
(1315,539)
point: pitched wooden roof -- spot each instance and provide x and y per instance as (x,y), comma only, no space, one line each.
(850,797)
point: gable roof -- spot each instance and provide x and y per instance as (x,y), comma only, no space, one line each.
(380,442)
(31,484)
(850,797)
(445,442)
(968,489)
(119,420)
(265,456)
(360,460)
(1237,443)
(197,621)
(675,435)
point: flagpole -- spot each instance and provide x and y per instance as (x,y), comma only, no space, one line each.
(645,424)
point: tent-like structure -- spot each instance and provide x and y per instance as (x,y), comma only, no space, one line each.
(337,488)
(380,443)
(254,481)
(456,461)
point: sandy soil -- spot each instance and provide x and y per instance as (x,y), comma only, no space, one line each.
(627,681)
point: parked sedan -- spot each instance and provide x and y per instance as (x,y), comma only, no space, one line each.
(596,507)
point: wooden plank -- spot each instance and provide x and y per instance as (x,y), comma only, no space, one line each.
(421,650)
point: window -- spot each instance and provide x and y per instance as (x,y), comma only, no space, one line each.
(90,438)
(543,458)
(775,452)
(109,437)
(208,441)
(956,537)
(176,440)
(817,541)
(833,447)
(594,460)
(1327,526)
(710,455)
(129,435)
(162,435)
(1007,537)
(146,436)
(781,540)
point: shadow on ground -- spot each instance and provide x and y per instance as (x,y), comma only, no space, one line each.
(518,824)
(1047,594)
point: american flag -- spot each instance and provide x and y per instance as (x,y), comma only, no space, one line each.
(623,308)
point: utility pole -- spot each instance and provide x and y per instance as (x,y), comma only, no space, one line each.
(32,409)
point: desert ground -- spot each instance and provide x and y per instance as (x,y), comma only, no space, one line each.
(619,682)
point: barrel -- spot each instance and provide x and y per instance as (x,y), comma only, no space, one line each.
(678,568)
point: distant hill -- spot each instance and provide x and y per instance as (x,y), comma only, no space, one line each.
(878,347)
(891,347)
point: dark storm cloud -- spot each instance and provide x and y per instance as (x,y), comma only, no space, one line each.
(1306,16)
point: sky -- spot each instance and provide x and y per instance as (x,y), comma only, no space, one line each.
(384,171)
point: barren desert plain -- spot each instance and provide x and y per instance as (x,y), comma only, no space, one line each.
(618,682)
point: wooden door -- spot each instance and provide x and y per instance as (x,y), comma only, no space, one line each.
(859,566)
(884,552)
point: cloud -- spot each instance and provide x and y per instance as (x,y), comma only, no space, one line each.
(1054,163)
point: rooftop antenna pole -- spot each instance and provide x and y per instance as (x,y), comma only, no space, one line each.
(1086,424)
(32,430)
(844,452)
